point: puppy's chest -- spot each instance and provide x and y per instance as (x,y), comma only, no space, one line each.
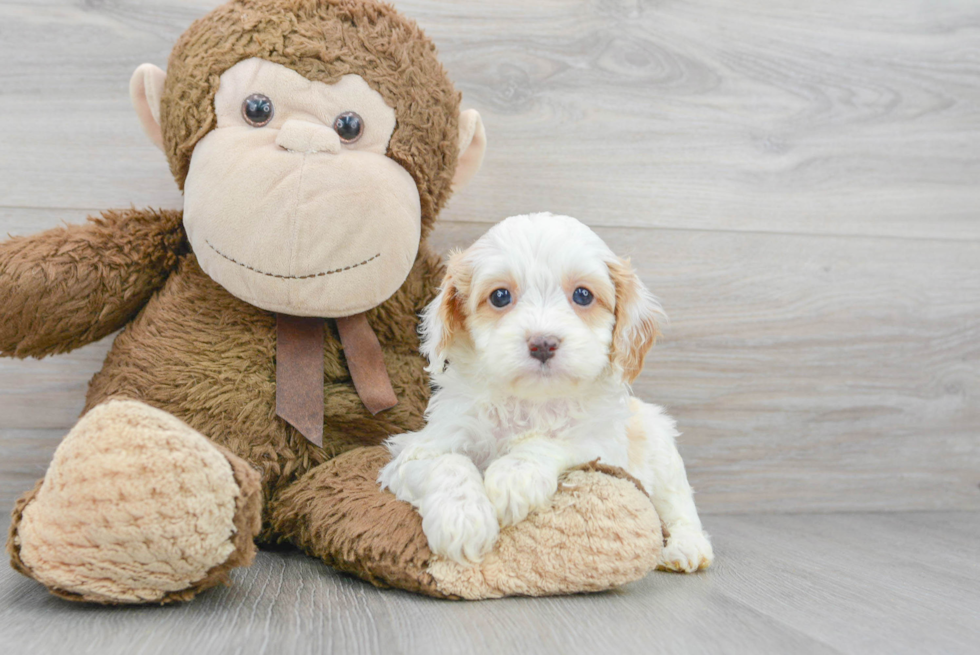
(563,421)
(516,422)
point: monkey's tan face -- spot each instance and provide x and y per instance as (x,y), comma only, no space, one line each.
(290,202)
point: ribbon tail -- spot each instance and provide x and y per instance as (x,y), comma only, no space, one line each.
(366,363)
(299,374)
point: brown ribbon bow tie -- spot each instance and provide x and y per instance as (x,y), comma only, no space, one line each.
(299,370)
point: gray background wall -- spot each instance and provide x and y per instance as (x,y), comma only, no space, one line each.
(798,182)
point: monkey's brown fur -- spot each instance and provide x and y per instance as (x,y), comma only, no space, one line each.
(322,41)
(208,358)
(190,348)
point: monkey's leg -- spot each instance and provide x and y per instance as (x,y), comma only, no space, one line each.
(600,531)
(337,512)
(136,507)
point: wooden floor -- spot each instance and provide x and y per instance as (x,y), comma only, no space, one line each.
(798,182)
(886,583)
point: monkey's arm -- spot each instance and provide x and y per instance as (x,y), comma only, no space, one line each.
(73,285)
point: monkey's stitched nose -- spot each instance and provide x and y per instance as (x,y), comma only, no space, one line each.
(542,348)
(306,137)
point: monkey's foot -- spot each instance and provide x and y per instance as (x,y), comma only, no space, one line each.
(599,531)
(136,507)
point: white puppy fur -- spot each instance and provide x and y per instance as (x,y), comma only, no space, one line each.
(531,377)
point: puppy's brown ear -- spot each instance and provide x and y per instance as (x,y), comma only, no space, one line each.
(445,317)
(637,313)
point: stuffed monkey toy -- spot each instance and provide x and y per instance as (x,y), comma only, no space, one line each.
(268,337)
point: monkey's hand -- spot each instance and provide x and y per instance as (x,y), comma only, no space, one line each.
(73,285)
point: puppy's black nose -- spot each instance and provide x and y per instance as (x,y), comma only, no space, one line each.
(543,347)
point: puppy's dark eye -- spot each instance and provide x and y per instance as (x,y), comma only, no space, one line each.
(257,110)
(349,126)
(500,298)
(582,296)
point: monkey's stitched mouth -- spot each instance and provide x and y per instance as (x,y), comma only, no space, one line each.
(292,277)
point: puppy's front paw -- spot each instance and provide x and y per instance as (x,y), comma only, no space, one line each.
(687,550)
(461,531)
(516,487)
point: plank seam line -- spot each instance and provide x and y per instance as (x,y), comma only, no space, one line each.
(619,226)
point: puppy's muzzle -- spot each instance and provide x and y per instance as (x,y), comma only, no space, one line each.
(542,348)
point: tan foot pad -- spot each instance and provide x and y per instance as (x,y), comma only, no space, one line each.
(135,507)
(600,532)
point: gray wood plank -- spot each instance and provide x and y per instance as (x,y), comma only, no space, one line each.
(813,373)
(806,373)
(49,393)
(831,118)
(893,574)
(15,221)
(24,457)
(851,583)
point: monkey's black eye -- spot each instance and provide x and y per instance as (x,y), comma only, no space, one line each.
(349,126)
(257,110)
(500,297)
(582,296)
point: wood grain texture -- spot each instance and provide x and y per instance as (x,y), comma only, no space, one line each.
(49,393)
(768,115)
(24,458)
(805,374)
(796,181)
(811,368)
(808,584)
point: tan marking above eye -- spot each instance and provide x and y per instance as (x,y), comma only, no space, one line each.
(481,296)
(482,288)
(602,293)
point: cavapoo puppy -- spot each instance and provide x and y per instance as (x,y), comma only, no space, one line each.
(532,342)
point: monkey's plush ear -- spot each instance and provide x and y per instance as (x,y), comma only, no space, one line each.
(145,90)
(472,146)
